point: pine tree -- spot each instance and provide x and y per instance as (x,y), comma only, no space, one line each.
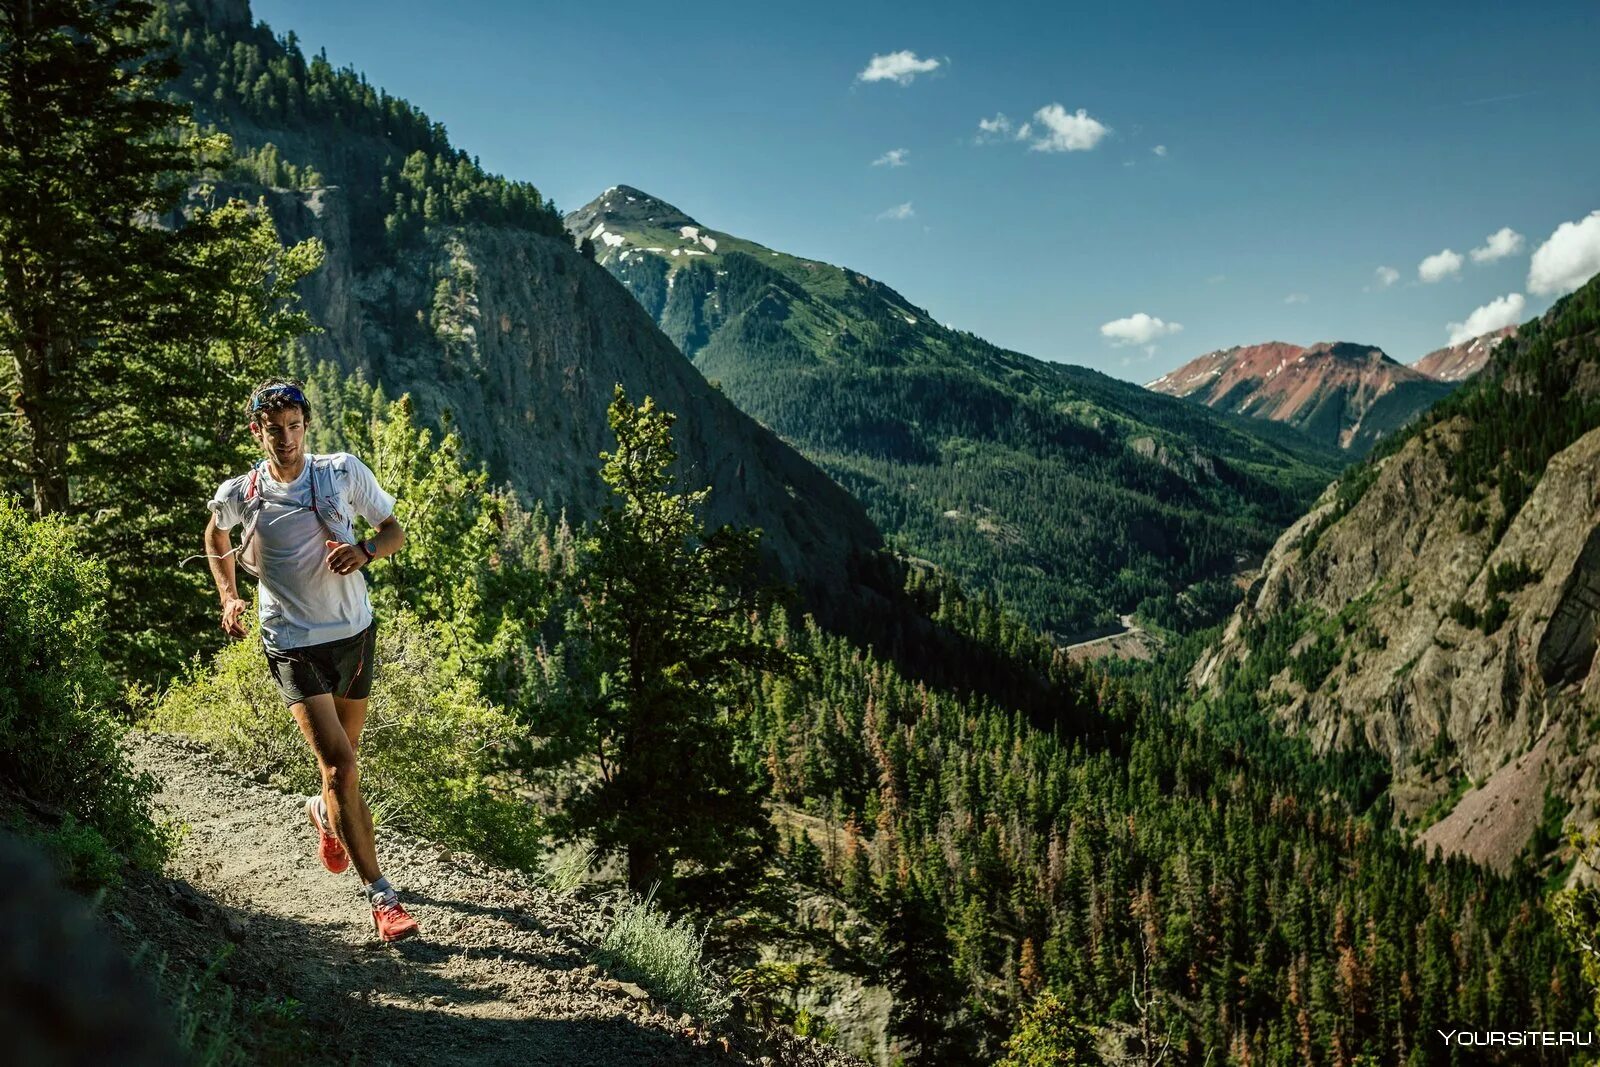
(926,998)
(666,612)
(1050,1035)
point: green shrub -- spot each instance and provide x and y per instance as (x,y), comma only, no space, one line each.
(1577,912)
(1050,1034)
(214,1028)
(1509,577)
(428,754)
(1464,614)
(1494,616)
(644,945)
(58,746)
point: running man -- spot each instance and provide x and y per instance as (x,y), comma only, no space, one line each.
(316,620)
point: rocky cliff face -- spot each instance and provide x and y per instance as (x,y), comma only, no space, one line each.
(521,340)
(1454,637)
(1342,394)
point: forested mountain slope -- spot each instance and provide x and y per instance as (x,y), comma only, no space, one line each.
(1344,395)
(1440,603)
(461,288)
(1072,495)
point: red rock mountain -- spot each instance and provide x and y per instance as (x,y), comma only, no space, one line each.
(1343,394)
(1459,362)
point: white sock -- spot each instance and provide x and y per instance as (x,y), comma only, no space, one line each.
(322,810)
(381,891)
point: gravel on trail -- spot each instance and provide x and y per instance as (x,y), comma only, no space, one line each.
(500,973)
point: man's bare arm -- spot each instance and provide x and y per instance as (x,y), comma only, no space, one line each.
(388,539)
(347,559)
(219,554)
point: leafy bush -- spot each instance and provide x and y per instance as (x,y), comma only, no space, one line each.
(644,945)
(428,753)
(1577,912)
(58,746)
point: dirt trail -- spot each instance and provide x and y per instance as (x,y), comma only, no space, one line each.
(499,975)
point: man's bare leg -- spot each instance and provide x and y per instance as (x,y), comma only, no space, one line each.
(348,814)
(352,716)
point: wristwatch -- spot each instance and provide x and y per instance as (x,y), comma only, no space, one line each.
(370,548)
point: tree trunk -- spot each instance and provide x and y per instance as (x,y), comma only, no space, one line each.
(644,866)
(48,424)
(644,856)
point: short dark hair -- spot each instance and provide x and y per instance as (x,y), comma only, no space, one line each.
(277,394)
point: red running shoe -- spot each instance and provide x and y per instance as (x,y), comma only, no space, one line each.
(332,853)
(391,920)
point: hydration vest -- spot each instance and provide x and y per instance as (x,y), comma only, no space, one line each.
(328,503)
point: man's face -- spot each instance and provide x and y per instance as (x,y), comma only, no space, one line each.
(280,434)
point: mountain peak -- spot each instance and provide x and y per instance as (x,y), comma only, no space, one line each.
(623,207)
(1458,362)
(1329,390)
(1350,352)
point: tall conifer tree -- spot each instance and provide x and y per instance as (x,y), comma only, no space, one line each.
(666,620)
(130,328)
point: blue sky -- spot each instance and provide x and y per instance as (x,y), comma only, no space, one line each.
(1301,150)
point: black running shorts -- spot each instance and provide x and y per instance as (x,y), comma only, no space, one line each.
(343,668)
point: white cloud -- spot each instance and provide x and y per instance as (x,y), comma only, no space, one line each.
(895,157)
(1066,131)
(1138,329)
(1387,276)
(1501,311)
(1498,245)
(1568,259)
(999,128)
(898,67)
(1296,298)
(897,213)
(1160,149)
(1439,266)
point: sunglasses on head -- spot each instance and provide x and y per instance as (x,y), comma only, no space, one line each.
(274,392)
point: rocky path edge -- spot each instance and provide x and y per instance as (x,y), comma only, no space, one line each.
(501,973)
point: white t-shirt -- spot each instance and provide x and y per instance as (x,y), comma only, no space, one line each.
(302,602)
